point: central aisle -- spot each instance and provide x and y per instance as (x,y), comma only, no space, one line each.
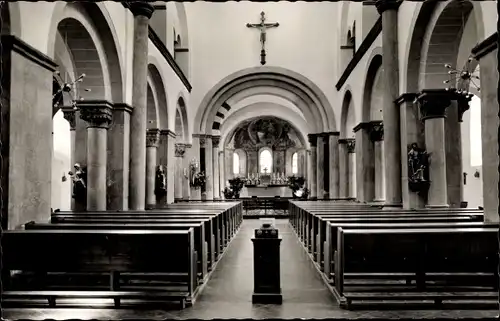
(228,294)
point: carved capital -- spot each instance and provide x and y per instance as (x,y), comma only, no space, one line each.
(70,115)
(180,149)
(141,8)
(203,141)
(351,145)
(313,139)
(384,5)
(215,141)
(433,103)
(97,113)
(152,137)
(376,131)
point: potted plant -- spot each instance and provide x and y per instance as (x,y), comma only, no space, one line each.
(228,193)
(296,183)
(236,186)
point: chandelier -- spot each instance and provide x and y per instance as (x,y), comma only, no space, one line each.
(67,88)
(465,78)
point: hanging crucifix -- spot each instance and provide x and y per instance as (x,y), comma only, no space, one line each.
(263,27)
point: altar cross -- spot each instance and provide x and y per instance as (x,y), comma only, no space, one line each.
(263,26)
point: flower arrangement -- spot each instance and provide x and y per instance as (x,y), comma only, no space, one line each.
(236,186)
(296,184)
(199,180)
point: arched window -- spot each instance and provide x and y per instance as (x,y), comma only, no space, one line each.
(266,161)
(236,163)
(295,165)
(476,151)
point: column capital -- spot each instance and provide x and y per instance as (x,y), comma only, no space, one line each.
(433,103)
(351,145)
(376,131)
(141,8)
(124,107)
(97,113)
(203,140)
(180,149)
(384,5)
(69,113)
(312,139)
(152,137)
(215,141)
(167,132)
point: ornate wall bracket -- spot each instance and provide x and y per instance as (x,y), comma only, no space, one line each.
(180,149)
(152,137)
(462,105)
(97,113)
(70,115)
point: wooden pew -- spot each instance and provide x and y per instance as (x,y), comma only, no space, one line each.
(101,251)
(213,236)
(330,243)
(419,252)
(200,246)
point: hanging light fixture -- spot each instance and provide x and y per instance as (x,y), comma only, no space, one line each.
(465,78)
(67,87)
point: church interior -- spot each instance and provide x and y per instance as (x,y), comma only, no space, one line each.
(297,160)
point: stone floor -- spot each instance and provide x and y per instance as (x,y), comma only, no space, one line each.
(228,293)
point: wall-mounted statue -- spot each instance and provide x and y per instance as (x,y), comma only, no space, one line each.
(160,181)
(79,177)
(418,169)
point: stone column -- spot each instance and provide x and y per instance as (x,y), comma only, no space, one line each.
(180,149)
(186,190)
(152,140)
(388,9)
(453,144)
(313,173)
(222,176)
(343,169)
(119,158)
(377,137)
(70,115)
(433,104)
(320,165)
(98,115)
(307,170)
(412,131)
(365,167)
(351,159)
(166,153)
(334,164)
(209,168)
(138,123)
(215,156)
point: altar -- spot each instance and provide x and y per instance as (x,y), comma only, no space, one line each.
(266,191)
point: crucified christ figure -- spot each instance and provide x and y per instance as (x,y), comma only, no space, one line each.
(263,26)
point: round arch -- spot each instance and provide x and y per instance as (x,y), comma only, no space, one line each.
(93,19)
(153,117)
(157,81)
(270,76)
(264,109)
(374,69)
(182,109)
(348,116)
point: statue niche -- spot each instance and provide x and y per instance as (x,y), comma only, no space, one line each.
(418,170)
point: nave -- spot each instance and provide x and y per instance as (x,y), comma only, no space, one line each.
(228,292)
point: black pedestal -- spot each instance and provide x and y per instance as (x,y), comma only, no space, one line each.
(267,284)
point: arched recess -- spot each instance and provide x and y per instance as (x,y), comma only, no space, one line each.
(156,80)
(316,102)
(87,30)
(232,123)
(444,34)
(372,93)
(242,163)
(181,120)
(266,160)
(348,117)
(152,108)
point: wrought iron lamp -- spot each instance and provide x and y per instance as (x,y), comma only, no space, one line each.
(67,88)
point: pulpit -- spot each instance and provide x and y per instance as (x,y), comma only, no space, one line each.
(267,280)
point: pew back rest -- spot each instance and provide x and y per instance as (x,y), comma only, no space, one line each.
(98,251)
(410,250)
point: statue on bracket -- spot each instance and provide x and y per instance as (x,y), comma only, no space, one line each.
(160,181)
(79,177)
(418,169)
